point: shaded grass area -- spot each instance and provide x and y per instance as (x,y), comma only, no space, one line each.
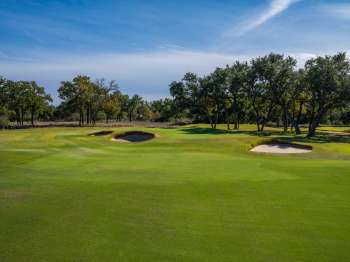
(192,194)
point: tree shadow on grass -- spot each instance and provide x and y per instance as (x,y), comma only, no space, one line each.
(203,131)
(274,135)
(319,139)
(211,131)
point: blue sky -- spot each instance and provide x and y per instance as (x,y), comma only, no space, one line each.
(145,44)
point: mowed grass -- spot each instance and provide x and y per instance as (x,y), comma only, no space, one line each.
(192,194)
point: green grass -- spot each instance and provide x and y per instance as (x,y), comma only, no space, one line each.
(191,195)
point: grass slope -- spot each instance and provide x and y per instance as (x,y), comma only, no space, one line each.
(191,195)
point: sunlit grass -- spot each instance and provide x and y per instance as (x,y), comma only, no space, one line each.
(192,194)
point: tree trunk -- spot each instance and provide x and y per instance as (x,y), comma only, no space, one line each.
(227,119)
(258,124)
(263,125)
(314,123)
(297,122)
(22,116)
(88,117)
(216,118)
(285,119)
(236,120)
(257,119)
(265,119)
(211,120)
(32,117)
(81,117)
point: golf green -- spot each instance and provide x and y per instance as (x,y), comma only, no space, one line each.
(190,194)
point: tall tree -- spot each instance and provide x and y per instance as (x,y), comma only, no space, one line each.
(220,95)
(327,80)
(279,76)
(259,92)
(18,96)
(112,105)
(132,105)
(78,94)
(37,100)
(237,80)
(299,99)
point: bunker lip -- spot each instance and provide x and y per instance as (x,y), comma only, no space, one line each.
(101,133)
(134,137)
(281,148)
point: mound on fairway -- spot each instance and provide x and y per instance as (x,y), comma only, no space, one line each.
(101,133)
(134,137)
(281,148)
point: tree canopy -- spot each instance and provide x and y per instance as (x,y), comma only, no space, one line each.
(267,90)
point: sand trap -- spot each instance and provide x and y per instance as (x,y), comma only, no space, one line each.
(282,148)
(101,133)
(134,137)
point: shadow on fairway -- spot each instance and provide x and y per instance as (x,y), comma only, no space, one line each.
(204,131)
(210,131)
(101,133)
(277,135)
(321,139)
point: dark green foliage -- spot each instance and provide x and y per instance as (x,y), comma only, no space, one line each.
(268,90)
(19,99)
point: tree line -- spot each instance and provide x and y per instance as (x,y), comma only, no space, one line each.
(82,100)
(268,90)
(22,100)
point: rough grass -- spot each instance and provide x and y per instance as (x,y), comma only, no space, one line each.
(193,194)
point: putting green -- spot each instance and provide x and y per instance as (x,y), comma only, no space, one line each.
(192,194)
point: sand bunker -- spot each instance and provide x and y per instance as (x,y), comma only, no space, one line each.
(101,133)
(282,148)
(134,137)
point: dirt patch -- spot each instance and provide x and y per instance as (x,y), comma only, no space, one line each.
(11,194)
(101,133)
(282,148)
(134,137)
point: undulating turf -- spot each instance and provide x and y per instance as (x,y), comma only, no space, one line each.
(192,194)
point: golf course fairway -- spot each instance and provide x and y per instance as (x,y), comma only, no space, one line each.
(190,194)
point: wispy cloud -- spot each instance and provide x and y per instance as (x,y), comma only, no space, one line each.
(275,8)
(337,10)
(147,73)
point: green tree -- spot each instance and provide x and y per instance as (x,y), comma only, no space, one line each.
(327,80)
(237,80)
(164,110)
(78,95)
(259,93)
(37,100)
(112,105)
(132,104)
(18,99)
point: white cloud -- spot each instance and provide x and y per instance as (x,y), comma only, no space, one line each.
(302,58)
(275,8)
(147,74)
(338,10)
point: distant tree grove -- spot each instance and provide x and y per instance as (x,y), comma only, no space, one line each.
(267,90)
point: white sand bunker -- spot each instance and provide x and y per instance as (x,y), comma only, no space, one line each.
(134,137)
(282,148)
